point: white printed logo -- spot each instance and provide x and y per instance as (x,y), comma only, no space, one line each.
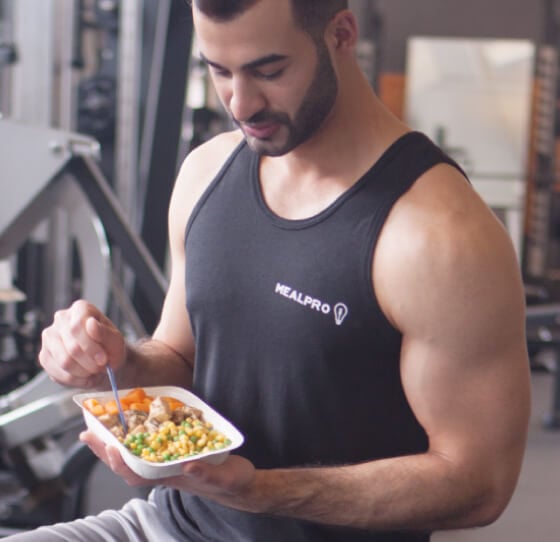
(340,313)
(340,310)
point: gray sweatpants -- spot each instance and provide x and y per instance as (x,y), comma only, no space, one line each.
(137,521)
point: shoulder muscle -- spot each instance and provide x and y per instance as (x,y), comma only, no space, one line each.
(442,244)
(197,171)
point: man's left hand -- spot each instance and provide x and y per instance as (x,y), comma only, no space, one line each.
(229,483)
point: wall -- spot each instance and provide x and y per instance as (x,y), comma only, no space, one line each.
(522,19)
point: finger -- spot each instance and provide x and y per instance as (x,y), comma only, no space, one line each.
(103,332)
(54,356)
(119,467)
(94,444)
(77,350)
(117,463)
(62,377)
(58,374)
(113,458)
(101,344)
(228,477)
(71,325)
(66,379)
(64,351)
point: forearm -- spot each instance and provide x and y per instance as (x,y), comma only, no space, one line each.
(150,362)
(424,492)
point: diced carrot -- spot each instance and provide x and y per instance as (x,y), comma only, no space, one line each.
(111,407)
(91,403)
(142,407)
(127,402)
(98,410)
(136,395)
(173,403)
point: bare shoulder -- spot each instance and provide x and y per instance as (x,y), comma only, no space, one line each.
(443,251)
(203,163)
(197,171)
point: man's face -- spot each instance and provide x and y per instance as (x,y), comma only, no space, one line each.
(275,82)
(291,130)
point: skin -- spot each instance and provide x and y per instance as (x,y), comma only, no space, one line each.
(299,127)
(445,274)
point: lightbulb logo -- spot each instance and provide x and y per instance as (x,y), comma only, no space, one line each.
(340,310)
(340,313)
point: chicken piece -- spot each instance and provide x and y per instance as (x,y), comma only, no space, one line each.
(191,412)
(152,426)
(118,431)
(134,419)
(178,415)
(159,411)
(140,428)
(182,413)
(109,420)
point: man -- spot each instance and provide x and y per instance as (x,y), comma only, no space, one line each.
(338,291)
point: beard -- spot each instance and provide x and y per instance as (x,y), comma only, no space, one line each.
(310,115)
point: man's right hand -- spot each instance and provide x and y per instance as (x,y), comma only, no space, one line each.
(78,345)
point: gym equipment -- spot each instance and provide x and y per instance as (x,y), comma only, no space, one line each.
(43,479)
(543,331)
(61,163)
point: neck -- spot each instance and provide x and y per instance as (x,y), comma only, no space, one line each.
(352,137)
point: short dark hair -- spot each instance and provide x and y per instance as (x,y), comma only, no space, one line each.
(312,16)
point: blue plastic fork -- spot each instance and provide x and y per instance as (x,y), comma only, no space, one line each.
(117,399)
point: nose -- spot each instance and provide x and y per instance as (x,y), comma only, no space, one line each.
(246,98)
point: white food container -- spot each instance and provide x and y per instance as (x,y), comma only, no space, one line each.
(150,470)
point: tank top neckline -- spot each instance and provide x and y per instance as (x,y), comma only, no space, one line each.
(298,224)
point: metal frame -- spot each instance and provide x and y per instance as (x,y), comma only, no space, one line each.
(162,147)
(66,159)
(149,276)
(543,325)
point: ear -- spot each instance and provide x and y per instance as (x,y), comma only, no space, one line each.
(342,31)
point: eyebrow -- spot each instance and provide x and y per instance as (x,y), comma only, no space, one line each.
(254,64)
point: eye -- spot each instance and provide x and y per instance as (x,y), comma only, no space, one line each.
(220,72)
(269,76)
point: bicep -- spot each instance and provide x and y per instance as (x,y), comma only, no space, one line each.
(467,384)
(464,352)
(468,387)
(465,369)
(464,366)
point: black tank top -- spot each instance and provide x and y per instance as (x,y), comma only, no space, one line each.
(291,344)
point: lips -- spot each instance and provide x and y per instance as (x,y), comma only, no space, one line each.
(261,131)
